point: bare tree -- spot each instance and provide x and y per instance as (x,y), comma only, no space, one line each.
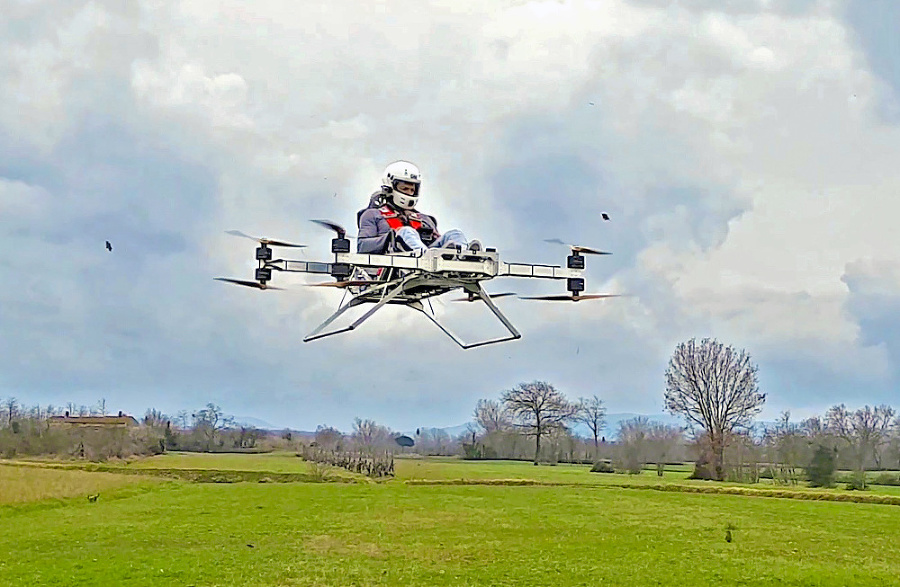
(633,443)
(101,406)
(788,448)
(894,445)
(663,441)
(815,429)
(245,436)
(11,407)
(328,438)
(183,418)
(434,441)
(490,416)
(537,408)
(368,434)
(592,414)
(715,387)
(154,418)
(864,431)
(210,421)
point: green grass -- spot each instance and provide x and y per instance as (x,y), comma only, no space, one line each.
(209,468)
(451,469)
(282,462)
(578,528)
(395,534)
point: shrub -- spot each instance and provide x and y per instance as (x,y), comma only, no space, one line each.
(857,482)
(604,466)
(820,470)
(703,468)
(886,479)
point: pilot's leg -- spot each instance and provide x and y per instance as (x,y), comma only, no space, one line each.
(410,239)
(450,238)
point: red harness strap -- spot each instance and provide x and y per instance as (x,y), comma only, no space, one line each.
(394,221)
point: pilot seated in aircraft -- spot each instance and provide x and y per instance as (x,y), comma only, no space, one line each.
(391,222)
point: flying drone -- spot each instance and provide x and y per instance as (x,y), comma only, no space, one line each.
(413,279)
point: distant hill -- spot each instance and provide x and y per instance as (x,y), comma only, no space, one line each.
(254,422)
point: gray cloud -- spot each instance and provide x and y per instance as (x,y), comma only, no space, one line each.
(873,23)
(712,134)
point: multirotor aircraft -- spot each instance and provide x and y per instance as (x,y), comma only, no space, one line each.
(412,279)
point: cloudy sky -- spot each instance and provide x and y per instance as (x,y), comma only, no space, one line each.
(746,151)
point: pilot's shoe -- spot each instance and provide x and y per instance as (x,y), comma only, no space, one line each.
(475,245)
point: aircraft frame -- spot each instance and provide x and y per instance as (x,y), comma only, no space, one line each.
(413,279)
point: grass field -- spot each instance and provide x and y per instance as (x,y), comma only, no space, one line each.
(19,485)
(282,462)
(584,532)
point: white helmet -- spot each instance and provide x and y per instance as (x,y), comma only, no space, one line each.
(401,171)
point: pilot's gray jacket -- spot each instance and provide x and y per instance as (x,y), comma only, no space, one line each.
(375,234)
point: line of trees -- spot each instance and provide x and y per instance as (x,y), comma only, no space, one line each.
(538,421)
(714,387)
(29,431)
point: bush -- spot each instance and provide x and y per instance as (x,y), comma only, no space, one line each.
(821,468)
(886,479)
(604,466)
(857,482)
(703,467)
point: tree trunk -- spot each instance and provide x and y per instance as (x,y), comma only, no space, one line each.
(718,450)
(537,447)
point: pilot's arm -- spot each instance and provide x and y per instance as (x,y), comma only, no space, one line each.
(374,232)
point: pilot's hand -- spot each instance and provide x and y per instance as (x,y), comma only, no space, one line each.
(404,221)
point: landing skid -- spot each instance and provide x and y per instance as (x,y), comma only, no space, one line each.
(417,305)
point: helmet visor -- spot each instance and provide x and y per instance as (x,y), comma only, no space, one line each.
(406,187)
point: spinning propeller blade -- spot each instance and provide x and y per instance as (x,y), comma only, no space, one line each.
(255,284)
(588,250)
(569,298)
(341,232)
(476,297)
(577,248)
(264,241)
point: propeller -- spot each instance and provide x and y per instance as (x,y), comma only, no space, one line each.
(475,297)
(570,298)
(341,232)
(577,248)
(264,241)
(255,284)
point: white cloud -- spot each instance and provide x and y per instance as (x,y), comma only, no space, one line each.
(738,144)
